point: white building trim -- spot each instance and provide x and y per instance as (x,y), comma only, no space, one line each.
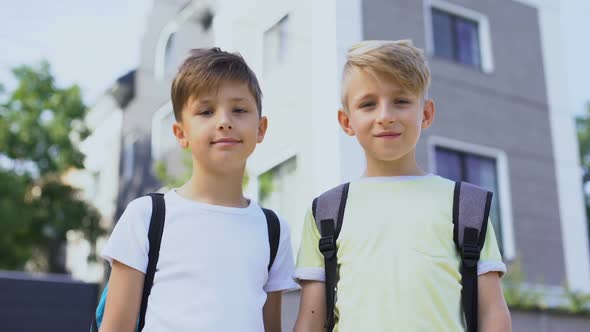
(574,229)
(325,96)
(503,176)
(349,31)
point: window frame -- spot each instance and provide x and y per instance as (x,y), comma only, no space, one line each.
(160,60)
(128,159)
(484,36)
(281,55)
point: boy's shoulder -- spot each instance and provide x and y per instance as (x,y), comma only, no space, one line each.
(138,211)
(429,186)
(173,201)
(141,202)
(429,181)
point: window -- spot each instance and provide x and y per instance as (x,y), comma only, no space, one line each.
(170,54)
(456,38)
(458,34)
(128,157)
(163,139)
(475,169)
(276,41)
(166,55)
(277,188)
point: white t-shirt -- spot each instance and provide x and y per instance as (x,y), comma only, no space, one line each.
(212,270)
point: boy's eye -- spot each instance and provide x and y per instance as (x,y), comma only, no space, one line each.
(205,112)
(368,104)
(402,101)
(240,110)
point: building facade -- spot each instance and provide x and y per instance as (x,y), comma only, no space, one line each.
(498,82)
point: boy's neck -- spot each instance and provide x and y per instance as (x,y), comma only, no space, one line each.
(405,166)
(224,189)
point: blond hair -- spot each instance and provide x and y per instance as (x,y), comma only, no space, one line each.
(399,60)
(204,70)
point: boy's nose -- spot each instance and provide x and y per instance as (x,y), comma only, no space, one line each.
(224,122)
(224,125)
(386,115)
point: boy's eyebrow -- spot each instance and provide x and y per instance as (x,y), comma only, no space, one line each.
(201,101)
(363,96)
(369,94)
(240,99)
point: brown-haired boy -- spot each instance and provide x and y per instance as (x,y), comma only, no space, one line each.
(213,271)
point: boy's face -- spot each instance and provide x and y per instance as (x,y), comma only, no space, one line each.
(223,128)
(386,119)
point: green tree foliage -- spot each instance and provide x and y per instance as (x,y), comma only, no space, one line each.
(177,180)
(40,125)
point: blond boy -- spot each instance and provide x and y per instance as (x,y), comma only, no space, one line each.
(398,265)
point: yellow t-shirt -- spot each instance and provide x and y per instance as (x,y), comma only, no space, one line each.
(399,267)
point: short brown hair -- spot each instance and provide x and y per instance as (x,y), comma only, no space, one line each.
(399,60)
(204,70)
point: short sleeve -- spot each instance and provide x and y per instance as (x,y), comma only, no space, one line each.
(279,276)
(490,258)
(129,242)
(310,261)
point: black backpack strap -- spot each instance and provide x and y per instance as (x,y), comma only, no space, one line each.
(328,212)
(155,237)
(274,234)
(471,209)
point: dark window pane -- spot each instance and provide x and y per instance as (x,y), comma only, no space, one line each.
(481,171)
(448,164)
(442,30)
(467,42)
(456,38)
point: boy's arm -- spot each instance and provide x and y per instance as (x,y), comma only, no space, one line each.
(279,280)
(493,314)
(272,312)
(312,308)
(311,275)
(123,299)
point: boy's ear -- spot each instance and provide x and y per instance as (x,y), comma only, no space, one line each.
(262,126)
(344,120)
(178,131)
(428,113)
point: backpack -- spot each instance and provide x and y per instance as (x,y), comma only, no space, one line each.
(155,238)
(471,209)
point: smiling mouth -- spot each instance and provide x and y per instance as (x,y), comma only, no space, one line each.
(388,135)
(226,141)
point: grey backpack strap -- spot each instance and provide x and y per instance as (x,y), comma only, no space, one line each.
(328,212)
(471,209)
